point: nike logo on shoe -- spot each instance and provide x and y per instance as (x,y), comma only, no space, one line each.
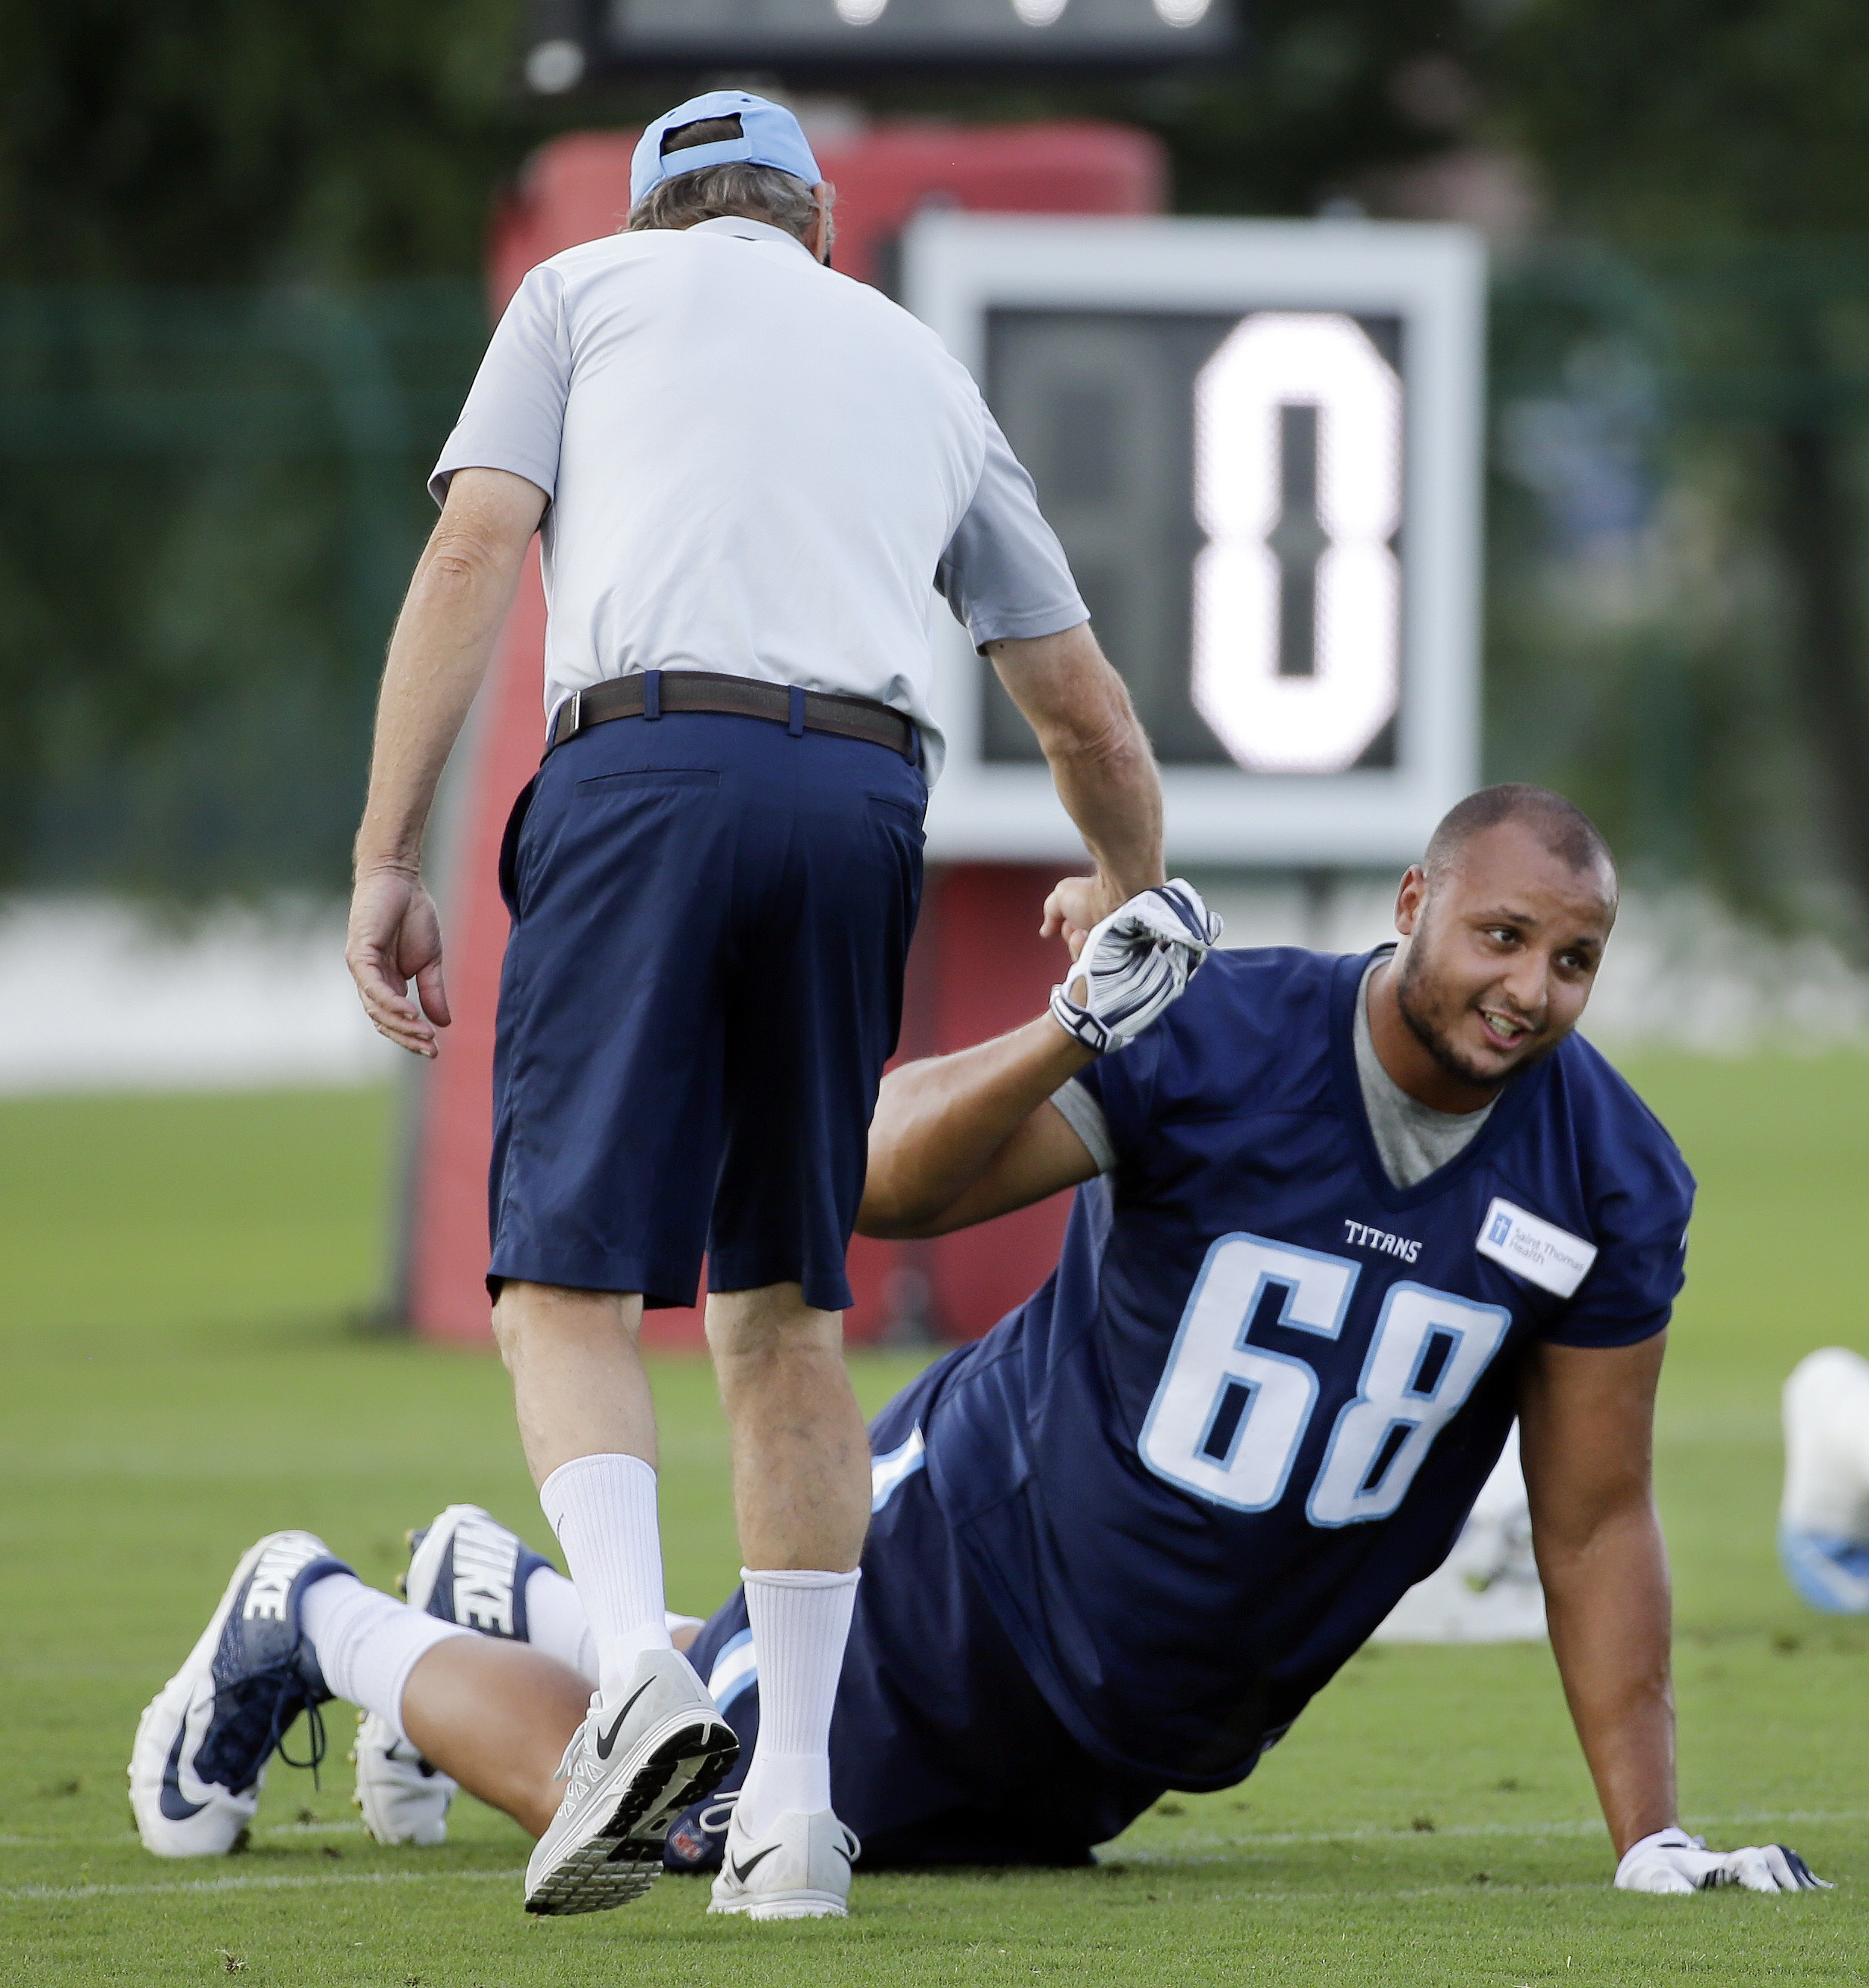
(175,1805)
(269,1586)
(483,1561)
(607,1740)
(748,1864)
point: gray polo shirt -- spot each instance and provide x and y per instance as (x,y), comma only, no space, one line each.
(757,466)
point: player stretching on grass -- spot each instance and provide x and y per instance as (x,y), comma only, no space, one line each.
(1340,1220)
(752,473)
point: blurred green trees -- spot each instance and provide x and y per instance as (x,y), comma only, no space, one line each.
(1715,696)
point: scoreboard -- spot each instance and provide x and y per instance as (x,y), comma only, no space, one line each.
(572,40)
(1259,442)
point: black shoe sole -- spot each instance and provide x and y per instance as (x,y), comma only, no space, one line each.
(624,1858)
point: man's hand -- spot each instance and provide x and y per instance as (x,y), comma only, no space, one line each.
(1076,904)
(1672,1861)
(1133,964)
(395,937)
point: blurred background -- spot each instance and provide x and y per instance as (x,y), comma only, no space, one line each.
(243,248)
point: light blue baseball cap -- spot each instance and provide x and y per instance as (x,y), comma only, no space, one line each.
(770,136)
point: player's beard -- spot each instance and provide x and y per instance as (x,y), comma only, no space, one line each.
(1430,1015)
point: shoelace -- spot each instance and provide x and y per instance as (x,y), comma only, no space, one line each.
(288,1699)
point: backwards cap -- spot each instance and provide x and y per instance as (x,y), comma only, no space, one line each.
(770,136)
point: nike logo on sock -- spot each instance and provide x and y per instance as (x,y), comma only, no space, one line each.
(741,1870)
(607,1740)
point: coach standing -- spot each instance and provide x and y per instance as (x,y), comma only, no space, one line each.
(747,471)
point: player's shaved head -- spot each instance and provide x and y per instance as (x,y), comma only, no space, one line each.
(1503,923)
(1563,828)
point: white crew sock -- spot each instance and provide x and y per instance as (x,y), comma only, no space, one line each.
(556,1624)
(800,1623)
(603,1510)
(366,1644)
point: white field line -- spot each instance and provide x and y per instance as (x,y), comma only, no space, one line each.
(281,1882)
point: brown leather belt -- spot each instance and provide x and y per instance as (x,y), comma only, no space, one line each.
(651,692)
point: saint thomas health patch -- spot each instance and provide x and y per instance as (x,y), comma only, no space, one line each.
(1538,1251)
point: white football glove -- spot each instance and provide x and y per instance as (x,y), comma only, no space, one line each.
(1672,1861)
(1134,964)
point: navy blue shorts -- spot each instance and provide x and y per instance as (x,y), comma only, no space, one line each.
(710,919)
(942,1750)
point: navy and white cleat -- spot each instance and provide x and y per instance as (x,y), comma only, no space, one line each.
(630,1769)
(466,1567)
(202,1744)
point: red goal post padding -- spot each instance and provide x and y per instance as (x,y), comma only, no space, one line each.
(978,966)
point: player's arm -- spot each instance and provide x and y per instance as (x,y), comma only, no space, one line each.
(958,1139)
(457,600)
(1100,762)
(1587,1418)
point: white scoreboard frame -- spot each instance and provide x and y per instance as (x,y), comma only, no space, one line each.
(959,268)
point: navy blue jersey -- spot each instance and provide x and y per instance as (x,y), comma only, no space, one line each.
(1258,1397)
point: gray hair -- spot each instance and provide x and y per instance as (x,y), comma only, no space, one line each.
(754,193)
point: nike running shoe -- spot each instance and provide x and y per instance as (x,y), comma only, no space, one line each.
(405,1798)
(202,1744)
(798,1869)
(467,1568)
(630,1768)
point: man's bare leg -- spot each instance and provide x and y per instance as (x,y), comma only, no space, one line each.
(587,1422)
(578,1383)
(801,1490)
(496,1716)
(801,1456)
(652,1738)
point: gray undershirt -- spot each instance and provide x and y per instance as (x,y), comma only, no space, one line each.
(1411,1140)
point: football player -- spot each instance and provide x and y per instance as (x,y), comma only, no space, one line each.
(1823,1521)
(1339,1222)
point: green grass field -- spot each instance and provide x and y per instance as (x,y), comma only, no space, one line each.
(187,1364)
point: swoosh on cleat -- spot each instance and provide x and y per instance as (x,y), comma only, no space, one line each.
(175,1804)
(607,1740)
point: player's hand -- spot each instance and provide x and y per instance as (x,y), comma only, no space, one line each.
(1671,1860)
(1133,964)
(395,937)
